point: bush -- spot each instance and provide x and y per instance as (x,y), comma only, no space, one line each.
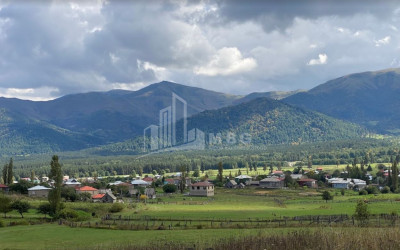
(372,190)
(363,192)
(73,215)
(385,190)
(116,207)
(68,214)
(169,188)
(2,224)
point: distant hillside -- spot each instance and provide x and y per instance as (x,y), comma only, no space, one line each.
(277,95)
(107,116)
(369,98)
(273,122)
(20,136)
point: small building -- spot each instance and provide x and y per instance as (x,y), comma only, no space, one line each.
(148,180)
(311,183)
(72,183)
(202,189)
(45,179)
(278,173)
(39,191)
(87,189)
(231,184)
(107,197)
(139,183)
(252,183)
(150,193)
(242,178)
(4,188)
(169,181)
(272,182)
(359,184)
(297,176)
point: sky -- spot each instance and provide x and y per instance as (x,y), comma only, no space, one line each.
(53,48)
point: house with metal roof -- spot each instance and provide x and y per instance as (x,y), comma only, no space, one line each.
(139,183)
(39,191)
(243,178)
(272,182)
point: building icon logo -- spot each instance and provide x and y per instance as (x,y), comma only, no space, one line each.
(171,134)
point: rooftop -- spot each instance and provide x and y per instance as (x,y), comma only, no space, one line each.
(98,196)
(87,188)
(35,188)
(202,184)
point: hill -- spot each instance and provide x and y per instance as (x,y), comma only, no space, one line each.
(369,98)
(277,95)
(99,118)
(274,122)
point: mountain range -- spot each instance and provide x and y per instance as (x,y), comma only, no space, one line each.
(338,109)
(370,99)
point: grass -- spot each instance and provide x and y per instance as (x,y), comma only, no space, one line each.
(237,204)
(51,236)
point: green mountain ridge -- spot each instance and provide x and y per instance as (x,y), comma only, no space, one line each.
(273,122)
(368,98)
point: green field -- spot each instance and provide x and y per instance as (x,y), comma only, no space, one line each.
(237,204)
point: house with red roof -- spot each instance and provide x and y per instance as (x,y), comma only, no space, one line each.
(148,179)
(4,188)
(202,189)
(311,183)
(87,189)
(107,197)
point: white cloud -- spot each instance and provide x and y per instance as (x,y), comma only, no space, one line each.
(129,86)
(322,59)
(383,41)
(35,94)
(227,61)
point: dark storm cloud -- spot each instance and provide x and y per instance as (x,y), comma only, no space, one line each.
(52,48)
(280,14)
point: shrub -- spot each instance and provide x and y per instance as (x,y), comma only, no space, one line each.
(2,224)
(68,214)
(385,190)
(116,207)
(363,192)
(73,215)
(169,188)
(372,190)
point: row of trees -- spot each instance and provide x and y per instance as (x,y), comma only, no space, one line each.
(7,177)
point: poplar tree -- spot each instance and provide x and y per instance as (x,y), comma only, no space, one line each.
(5,174)
(220,172)
(10,172)
(55,194)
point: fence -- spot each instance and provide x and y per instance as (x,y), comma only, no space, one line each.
(154,223)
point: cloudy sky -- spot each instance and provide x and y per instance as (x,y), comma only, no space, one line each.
(52,48)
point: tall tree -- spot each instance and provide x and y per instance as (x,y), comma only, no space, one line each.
(202,167)
(182,183)
(33,175)
(309,162)
(10,172)
(55,194)
(395,176)
(5,174)
(5,205)
(220,175)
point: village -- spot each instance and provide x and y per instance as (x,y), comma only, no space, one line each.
(138,188)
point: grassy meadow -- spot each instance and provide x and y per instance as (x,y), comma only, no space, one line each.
(35,232)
